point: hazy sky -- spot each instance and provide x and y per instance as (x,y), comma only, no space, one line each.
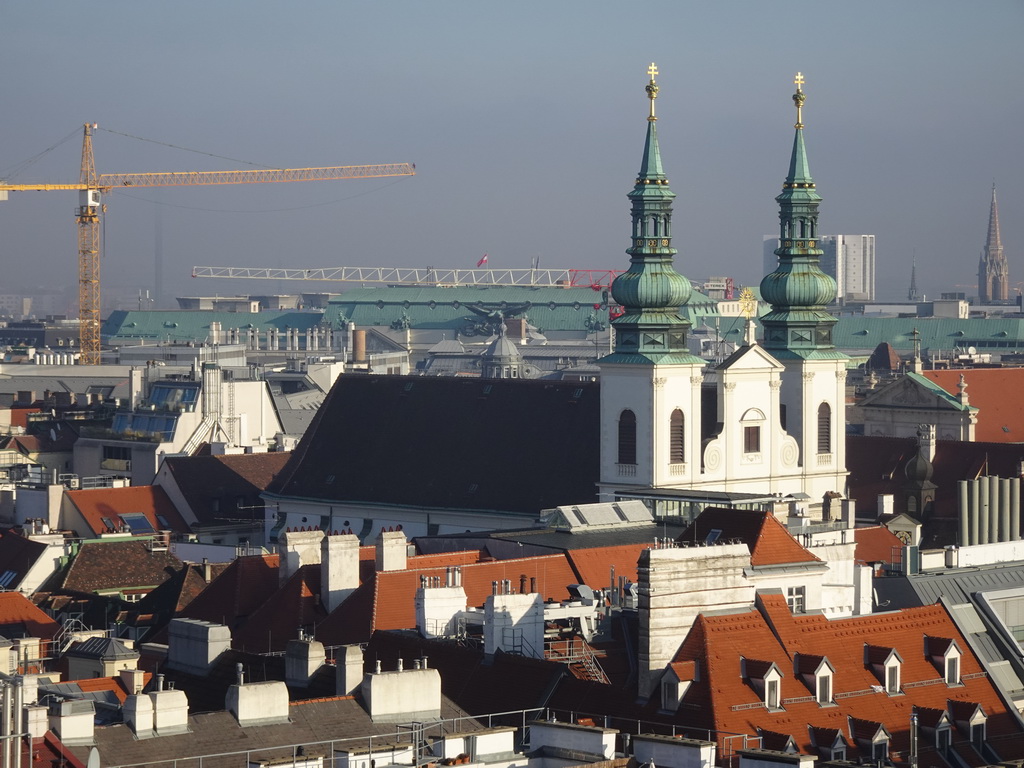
(526,123)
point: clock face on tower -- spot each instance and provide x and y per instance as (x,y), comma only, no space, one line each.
(903,536)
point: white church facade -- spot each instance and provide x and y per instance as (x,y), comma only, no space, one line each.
(767,422)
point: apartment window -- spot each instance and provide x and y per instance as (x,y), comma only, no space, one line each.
(824,428)
(751,439)
(670,695)
(627,437)
(796,599)
(771,694)
(880,751)
(677,438)
(953,670)
(892,679)
(978,735)
(824,688)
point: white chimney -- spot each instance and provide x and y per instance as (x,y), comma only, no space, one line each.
(339,569)
(349,672)
(392,547)
(302,659)
(296,549)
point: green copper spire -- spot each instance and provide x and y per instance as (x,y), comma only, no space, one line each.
(798,324)
(651,291)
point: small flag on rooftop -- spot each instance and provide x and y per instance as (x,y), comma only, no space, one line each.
(483,260)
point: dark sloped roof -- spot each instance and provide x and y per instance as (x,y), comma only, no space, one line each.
(315,723)
(876,467)
(233,595)
(504,445)
(103,565)
(234,481)
(17,556)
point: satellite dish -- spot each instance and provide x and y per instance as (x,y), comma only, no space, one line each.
(53,435)
(972,350)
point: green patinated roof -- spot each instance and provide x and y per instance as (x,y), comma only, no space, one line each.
(938,391)
(188,325)
(552,309)
(935,333)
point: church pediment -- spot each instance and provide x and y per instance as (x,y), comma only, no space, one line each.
(912,391)
(752,358)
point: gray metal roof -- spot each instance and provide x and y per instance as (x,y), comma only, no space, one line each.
(958,585)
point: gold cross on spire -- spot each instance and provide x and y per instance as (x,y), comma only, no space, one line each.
(652,89)
(798,99)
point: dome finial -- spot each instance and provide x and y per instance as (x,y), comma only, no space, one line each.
(798,99)
(652,89)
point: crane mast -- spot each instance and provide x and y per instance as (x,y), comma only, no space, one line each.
(88,216)
(91,188)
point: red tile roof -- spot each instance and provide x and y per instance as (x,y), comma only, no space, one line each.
(1000,418)
(394,606)
(719,700)
(96,504)
(593,566)
(112,684)
(876,544)
(767,539)
(119,564)
(387,599)
(18,612)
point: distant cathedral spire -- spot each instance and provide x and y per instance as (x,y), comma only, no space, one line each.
(651,292)
(912,294)
(993,269)
(798,324)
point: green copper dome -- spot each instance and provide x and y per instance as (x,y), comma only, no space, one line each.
(651,286)
(798,290)
(798,285)
(651,292)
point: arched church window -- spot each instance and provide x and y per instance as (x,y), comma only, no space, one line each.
(627,437)
(752,420)
(677,438)
(824,428)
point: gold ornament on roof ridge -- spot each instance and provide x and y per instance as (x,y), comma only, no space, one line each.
(652,89)
(798,99)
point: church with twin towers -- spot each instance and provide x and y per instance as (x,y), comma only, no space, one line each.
(769,421)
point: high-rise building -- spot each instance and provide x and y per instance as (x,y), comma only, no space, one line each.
(993,269)
(847,259)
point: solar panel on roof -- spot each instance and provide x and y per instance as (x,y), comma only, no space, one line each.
(137,522)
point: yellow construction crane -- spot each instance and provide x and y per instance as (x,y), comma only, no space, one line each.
(92,187)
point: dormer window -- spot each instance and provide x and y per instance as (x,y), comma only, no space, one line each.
(945,654)
(871,738)
(771,696)
(892,679)
(952,669)
(824,688)
(765,678)
(887,665)
(816,673)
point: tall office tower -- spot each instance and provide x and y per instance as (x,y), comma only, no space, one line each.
(993,270)
(847,259)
